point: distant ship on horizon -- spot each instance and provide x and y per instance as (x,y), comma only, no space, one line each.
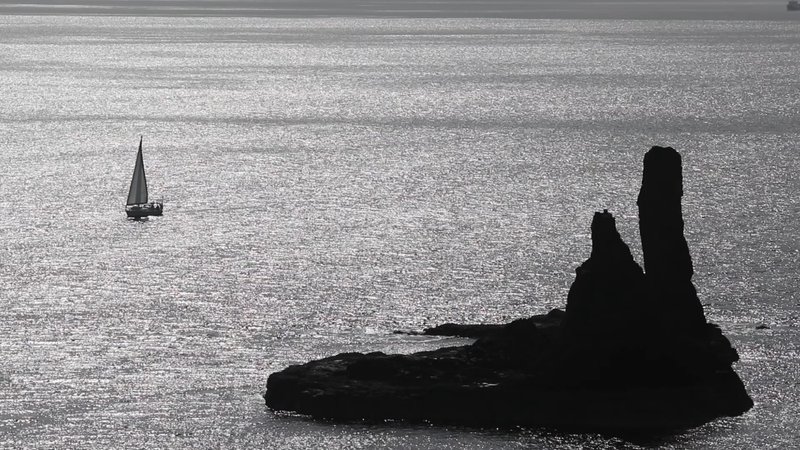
(793,5)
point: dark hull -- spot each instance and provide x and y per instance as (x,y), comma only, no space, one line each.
(148,209)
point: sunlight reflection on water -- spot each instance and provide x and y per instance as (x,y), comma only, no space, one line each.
(330,181)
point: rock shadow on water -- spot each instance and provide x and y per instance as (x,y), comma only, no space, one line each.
(631,355)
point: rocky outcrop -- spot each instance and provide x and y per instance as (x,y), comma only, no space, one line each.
(666,254)
(607,295)
(632,351)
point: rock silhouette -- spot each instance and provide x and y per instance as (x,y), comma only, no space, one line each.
(607,294)
(631,353)
(666,254)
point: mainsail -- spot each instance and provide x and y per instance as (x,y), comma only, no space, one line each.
(138,192)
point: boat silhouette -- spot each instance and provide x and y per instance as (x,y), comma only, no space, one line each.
(137,205)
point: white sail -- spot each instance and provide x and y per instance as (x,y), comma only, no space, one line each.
(138,192)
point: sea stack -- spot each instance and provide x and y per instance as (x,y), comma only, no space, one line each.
(667,263)
(633,352)
(607,295)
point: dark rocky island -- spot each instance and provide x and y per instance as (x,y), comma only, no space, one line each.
(632,352)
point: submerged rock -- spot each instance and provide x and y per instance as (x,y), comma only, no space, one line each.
(632,351)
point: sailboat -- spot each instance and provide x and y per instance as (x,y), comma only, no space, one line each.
(138,205)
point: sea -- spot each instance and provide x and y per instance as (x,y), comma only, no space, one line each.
(331,180)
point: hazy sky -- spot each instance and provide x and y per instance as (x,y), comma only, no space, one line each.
(649,9)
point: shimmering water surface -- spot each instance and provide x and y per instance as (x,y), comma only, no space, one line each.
(329,181)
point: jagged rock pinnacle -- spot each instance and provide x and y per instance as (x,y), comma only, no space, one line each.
(667,263)
(608,289)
